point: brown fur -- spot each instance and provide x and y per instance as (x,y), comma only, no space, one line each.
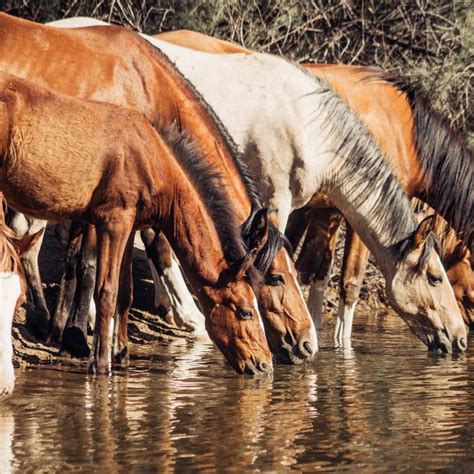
(387,114)
(65,158)
(129,71)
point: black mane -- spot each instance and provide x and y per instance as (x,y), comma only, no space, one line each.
(446,159)
(221,129)
(276,239)
(209,185)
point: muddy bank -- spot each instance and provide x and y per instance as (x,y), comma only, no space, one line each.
(145,326)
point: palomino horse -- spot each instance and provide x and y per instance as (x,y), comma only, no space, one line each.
(65,158)
(432,162)
(145,80)
(416,166)
(12,293)
(274,109)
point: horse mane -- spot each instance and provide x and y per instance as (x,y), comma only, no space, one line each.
(276,240)
(239,162)
(446,159)
(211,188)
(363,166)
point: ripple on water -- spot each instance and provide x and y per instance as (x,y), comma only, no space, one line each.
(385,405)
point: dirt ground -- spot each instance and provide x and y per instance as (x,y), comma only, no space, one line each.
(145,326)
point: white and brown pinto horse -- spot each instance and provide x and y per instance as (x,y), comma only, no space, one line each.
(12,293)
(431,160)
(300,139)
(145,80)
(65,158)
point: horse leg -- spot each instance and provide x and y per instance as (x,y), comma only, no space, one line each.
(316,257)
(171,287)
(74,340)
(159,256)
(68,283)
(296,226)
(112,237)
(356,257)
(124,303)
(39,321)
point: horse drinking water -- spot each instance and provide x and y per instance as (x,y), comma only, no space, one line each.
(65,158)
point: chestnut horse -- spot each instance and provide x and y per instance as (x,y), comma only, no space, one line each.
(379,104)
(65,158)
(146,80)
(281,116)
(12,293)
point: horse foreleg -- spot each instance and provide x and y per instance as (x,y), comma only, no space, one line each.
(112,237)
(296,226)
(124,302)
(39,321)
(356,257)
(170,286)
(68,283)
(74,338)
(316,257)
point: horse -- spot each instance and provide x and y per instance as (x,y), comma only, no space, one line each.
(66,158)
(12,292)
(281,116)
(147,81)
(431,161)
(379,105)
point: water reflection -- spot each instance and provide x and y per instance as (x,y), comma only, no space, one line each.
(384,405)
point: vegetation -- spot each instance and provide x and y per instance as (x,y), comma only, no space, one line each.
(429,41)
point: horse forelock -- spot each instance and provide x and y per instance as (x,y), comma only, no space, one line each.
(212,190)
(407,245)
(275,242)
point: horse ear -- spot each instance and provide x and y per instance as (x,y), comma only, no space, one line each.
(25,244)
(423,231)
(258,234)
(245,264)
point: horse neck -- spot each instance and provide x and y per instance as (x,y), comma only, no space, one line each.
(191,113)
(360,182)
(192,228)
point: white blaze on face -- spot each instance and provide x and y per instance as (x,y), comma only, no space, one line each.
(10,290)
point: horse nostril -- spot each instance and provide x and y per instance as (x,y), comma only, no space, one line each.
(462,344)
(308,347)
(263,366)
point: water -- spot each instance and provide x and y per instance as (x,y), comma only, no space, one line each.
(387,405)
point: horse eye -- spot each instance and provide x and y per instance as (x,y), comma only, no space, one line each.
(276,279)
(244,314)
(434,280)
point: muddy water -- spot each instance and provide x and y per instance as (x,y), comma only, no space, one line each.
(387,405)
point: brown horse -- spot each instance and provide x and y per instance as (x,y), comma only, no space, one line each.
(65,158)
(380,102)
(145,80)
(12,292)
